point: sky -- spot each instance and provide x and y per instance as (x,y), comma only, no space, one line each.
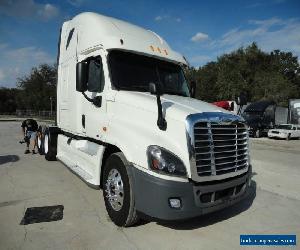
(200,30)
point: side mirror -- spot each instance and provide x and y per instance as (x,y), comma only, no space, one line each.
(231,108)
(193,89)
(241,99)
(155,89)
(81,76)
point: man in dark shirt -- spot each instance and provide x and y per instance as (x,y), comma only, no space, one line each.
(29,129)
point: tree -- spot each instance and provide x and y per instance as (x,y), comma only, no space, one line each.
(8,100)
(274,76)
(37,88)
(206,82)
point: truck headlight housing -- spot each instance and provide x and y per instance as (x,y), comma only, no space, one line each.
(163,161)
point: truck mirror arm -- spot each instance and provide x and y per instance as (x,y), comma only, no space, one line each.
(156,89)
(97,100)
(161,121)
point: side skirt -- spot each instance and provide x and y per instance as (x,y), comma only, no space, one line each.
(97,187)
(82,157)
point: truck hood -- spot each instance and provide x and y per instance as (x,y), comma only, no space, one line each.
(174,107)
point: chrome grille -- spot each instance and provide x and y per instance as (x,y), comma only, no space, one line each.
(220,148)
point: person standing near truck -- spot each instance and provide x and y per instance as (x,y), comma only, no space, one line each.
(29,129)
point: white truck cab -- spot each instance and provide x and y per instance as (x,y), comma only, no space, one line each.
(126,122)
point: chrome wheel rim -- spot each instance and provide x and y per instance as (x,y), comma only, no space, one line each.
(46,138)
(114,189)
(39,142)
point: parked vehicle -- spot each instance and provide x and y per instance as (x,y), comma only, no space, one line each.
(285,131)
(234,106)
(126,122)
(227,105)
(260,117)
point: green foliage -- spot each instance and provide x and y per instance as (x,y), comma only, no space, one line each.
(33,91)
(8,100)
(273,76)
(37,88)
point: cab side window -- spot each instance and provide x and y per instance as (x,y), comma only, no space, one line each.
(95,75)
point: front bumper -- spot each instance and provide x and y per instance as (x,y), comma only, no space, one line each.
(152,195)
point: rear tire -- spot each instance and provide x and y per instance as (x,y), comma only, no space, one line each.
(40,139)
(40,143)
(50,145)
(117,191)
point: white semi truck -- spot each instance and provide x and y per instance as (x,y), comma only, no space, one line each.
(127,123)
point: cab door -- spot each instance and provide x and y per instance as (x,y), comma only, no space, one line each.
(94,117)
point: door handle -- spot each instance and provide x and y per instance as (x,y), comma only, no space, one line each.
(83,121)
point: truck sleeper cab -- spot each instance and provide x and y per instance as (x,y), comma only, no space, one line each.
(260,117)
(126,122)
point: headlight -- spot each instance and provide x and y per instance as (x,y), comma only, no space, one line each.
(163,161)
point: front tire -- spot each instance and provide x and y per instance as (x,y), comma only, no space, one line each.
(117,191)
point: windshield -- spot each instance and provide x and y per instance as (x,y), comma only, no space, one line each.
(288,127)
(134,72)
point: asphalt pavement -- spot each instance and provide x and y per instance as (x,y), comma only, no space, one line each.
(30,181)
